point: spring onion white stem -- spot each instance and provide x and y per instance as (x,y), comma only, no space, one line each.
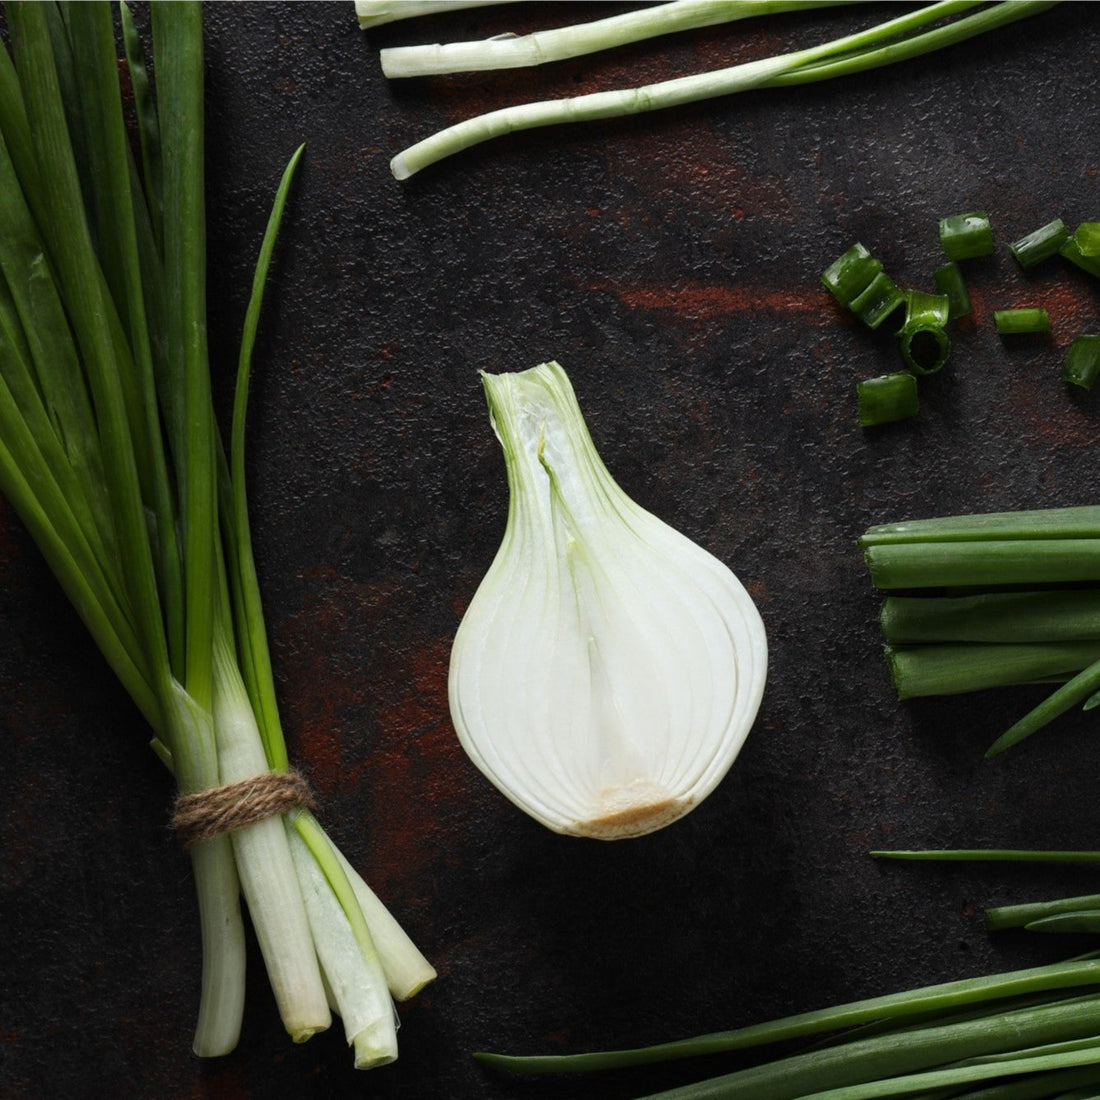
(559,43)
(406,969)
(267,872)
(374,13)
(608,668)
(352,971)
(884,44)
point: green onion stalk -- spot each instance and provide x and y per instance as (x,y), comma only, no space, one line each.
(111,455)
(996,600)
(928,28)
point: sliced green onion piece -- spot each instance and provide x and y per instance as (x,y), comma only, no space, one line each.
(851,274)
(880,298)
(1087,238)
(924,343)
(1072,252)
(966,236)
(925,348)
(1041,244)
(887,398)
(1082,365)
(950,283)
(1014,322)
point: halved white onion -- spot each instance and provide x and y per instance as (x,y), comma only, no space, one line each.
(608,669)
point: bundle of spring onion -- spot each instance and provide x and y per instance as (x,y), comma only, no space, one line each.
(993,601)
(930,27)
(110,454)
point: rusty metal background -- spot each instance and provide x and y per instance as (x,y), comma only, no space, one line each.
(671,264)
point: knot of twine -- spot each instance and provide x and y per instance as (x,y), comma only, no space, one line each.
(206,814)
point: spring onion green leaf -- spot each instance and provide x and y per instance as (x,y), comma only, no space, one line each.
(887,398)
(1014,322)
(1082,363)
(596,630)
(951,284)
(898,39)
(966,236)
(901,1008)
(1040,245)
(999,918)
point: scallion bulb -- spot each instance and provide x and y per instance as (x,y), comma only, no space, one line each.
(608,669)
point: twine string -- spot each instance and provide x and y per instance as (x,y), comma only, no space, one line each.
(206,814)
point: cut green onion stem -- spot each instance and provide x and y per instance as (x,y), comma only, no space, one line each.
(1015,322)
(924,342)
(966,236)
(1071,250)
(877,301)
(1087,238)
(1082,363)
(887,398)
(850,274)
(1039,245)
(951,284)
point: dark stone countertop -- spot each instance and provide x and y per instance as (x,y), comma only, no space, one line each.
(670,262)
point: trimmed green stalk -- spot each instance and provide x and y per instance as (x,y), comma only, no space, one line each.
(954,669)
(984,563)
(560,43)
(1082,521)
(1058,615)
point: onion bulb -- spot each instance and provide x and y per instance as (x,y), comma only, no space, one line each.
(608,669)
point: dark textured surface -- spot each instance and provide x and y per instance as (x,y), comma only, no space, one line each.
(670,263)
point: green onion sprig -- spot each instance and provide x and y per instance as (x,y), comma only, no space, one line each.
(913,34)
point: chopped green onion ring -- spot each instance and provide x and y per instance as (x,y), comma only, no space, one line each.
(878,301)
(851,274)
(1014,322)
(950,283)
(1082,365)
(887,398)
(966,236)
(1040,245)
